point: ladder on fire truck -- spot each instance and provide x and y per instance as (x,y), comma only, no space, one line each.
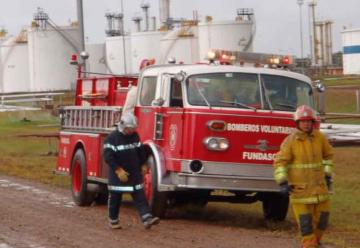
(90,118)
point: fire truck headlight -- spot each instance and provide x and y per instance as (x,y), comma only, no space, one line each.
(216,144)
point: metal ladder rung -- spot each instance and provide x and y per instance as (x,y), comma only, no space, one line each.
(91,119)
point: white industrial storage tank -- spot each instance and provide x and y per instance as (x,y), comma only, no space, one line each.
(117,54)
(49,55)
(96,61)
(14,66)
(144,45)
(225,35)
(351,49)
(181,44)
(38,60)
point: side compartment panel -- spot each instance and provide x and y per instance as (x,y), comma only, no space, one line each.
(65,153)
(92,145)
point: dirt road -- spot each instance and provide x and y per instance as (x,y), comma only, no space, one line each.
(38,216)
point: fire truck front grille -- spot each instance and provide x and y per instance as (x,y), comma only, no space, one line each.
(229,176)
(213,182)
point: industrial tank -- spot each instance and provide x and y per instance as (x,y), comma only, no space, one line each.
(49,55)
(144,45)
(118,51)
(181,44)
(14,67)
(351,49)
(234,36)
(96,61)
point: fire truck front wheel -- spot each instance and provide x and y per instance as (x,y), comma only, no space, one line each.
(157,200)
(79,183)
(275,206)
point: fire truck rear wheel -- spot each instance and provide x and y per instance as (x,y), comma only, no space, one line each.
(157,200)
(275,206)
(102,195)
(79,182)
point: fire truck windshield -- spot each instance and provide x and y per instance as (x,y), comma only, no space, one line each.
(243,90)
(284,93)
(236,90)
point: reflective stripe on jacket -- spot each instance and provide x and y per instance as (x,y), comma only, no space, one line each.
(126,152)
(304,160)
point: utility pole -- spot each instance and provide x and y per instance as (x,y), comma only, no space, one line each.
(310,35)
(80,17)
(300,3)
(123,37)
(316,52)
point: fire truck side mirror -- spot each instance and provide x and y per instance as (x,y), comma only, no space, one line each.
(158,102)
(320,87)
(179,77)
(84,55)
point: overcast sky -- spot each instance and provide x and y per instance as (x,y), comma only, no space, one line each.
(277,21)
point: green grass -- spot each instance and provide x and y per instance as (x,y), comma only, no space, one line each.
(338,81)
(342,100)
(29,157)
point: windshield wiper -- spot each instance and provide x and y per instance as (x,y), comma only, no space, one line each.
(266,95)
(239,104)
(202,95)
(286,105)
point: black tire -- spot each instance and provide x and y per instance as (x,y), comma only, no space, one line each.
(197,198)
(158,201)
(79,182)
(275,206)
(102,195)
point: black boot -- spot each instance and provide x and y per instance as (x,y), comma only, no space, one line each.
(150,221)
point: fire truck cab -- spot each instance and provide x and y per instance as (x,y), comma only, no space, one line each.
(213,131)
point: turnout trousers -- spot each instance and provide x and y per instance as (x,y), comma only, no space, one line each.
(141,204)
(312,220)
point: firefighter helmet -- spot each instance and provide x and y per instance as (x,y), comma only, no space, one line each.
(127,120)
(304,113)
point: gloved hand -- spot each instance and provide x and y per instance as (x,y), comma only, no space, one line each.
(122,175)
(145,169)
(285,188)
(329,183)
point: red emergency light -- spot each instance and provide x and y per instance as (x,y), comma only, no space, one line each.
(74,59)
(286,60)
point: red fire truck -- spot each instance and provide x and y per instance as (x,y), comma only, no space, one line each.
(213,131)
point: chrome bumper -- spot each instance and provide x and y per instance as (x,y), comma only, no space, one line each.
(220,182)
(225,176)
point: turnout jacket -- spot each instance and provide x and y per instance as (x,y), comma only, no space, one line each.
(127,152)
(304,160)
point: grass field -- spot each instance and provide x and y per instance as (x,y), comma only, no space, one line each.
(33,158)
(331,81)
(29,157)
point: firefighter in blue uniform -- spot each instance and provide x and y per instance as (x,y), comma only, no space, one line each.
(126,156)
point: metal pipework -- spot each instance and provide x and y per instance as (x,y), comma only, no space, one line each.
(137,20)
(164,14)
(41,18)
(145,7)
(153,23)
(115,22)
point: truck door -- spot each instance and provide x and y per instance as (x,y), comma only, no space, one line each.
(173,134)
(145,111)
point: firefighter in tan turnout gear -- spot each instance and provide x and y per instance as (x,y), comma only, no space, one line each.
(303,169)
(126,157)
